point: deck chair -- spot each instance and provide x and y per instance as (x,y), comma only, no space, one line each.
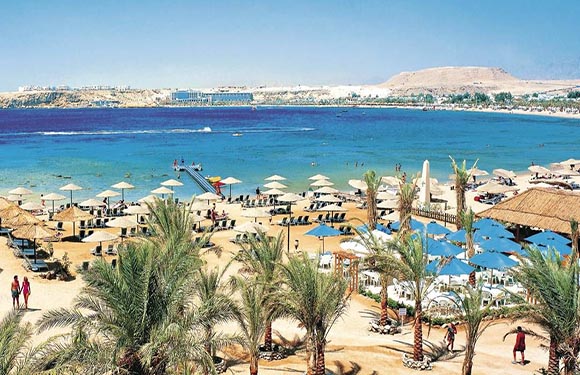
(82,234)
(59,226)
(111,250)
(97,251)
(232,224)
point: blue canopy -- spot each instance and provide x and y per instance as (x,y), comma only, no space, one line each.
(323,231)
(364,228)
(458,236)
(495,231)
(415,225)
(562,249)
(500,244)
(492,259)
(486,222)
(453,267)
(436,228)
(547,238)
(444,248)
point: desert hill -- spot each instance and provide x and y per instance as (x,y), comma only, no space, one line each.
(455,80)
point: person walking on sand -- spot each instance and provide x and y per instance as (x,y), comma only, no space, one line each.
(15,290)
(450,336)
(520,345)
(25,291)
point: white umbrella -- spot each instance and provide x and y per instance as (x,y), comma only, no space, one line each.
(108,194)
(477,172)
(255,213)
(208,196)
(538,169)
(100,236)
(358,184)
(13,198)
(32,206)
(390,180)
(275,185)
(230,181)
(121,222)
(385,195)
(273,192)
(148,199)
(275,178)
(318,183)
(495,188)
(251,227)
(318,177)
(53,197)
(20,191)
(570,162)
(328,198)
(388,204)
(393,216)
(92,203)
(136,210)
(162,190)
(326,190)
(71,188)
(171,183)
(199,206)
(123,185)
(504,173)
(332,208)
(565,172)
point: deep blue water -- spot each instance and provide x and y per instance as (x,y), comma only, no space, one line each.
(98,147)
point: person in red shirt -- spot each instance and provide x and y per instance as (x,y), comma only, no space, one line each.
(520,345)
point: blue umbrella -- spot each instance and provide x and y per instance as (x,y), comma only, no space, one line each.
(436,228)
(453,267)
(458,236)
(500,244)
(415,225)
(364,228)
(486,222)
(492,259)
(444,248)
(323,231)
(494,231)
(547,238)
(562,249)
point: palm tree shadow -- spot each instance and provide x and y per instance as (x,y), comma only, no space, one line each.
(355,369)
(437,351)
(292,345)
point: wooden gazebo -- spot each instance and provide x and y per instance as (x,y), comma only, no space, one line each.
(339,257)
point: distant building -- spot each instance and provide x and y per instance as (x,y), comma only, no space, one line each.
(191,96)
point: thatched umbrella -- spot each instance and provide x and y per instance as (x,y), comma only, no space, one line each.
(33,232)
(14,216)
(73,214)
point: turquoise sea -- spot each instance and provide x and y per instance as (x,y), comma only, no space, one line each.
(99,147)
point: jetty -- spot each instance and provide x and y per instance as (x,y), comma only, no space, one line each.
(198,178)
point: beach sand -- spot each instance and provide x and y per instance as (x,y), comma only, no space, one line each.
(351,349)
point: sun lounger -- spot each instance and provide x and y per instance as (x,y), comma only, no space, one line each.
(38,266)
(111,250)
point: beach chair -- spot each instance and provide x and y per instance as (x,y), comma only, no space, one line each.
(123,232)
(82,234)
(296,221)
(319,218)
(236,239)
(341,217)
(83,224)
(223,225)
(59,226)
(97,251)
(111,250)
(232,224)
(305,220)
(133,232)
(283,222)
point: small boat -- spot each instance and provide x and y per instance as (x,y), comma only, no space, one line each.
(237,134)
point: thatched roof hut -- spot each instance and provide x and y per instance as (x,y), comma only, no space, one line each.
(538,207)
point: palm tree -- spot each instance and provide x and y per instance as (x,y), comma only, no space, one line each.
(316,300)
(378,260)
(373,182)
(554,285)
(407,192)
(252,313)
(15,356)
(574,236)
(411,263)
(462,176)
(467,219)
(139,315)
(211,294)
(262,258)
(469,303)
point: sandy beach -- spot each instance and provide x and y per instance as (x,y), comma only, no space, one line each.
(352,349)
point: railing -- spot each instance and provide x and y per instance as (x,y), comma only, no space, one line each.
(435,215)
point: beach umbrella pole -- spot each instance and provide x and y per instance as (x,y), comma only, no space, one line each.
(34,247)
(71,198)
(289,217)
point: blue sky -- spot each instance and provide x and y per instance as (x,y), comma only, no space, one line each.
(182,43)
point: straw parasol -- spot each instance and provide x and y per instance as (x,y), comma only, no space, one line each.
(14,216)
(4,203)
(255,213)
(275,177)
(358,184)
(71,188)
(504,173)
(73,214)
(477,172)
(326,190)
(538,169)
(53,197)
(33,232)
(251,227)
(495,188)
(320,183)
(122,185)
(275,185)
(318,177)
(230,181)
(108,194)
(20,191)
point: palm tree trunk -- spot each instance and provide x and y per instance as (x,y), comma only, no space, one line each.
(460,198)
(310,356)
(553,361)
(468,360)
(320,365)
(253,364)
(418,334)
(472,279)
(268,336)
(384,302)
(371,209)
